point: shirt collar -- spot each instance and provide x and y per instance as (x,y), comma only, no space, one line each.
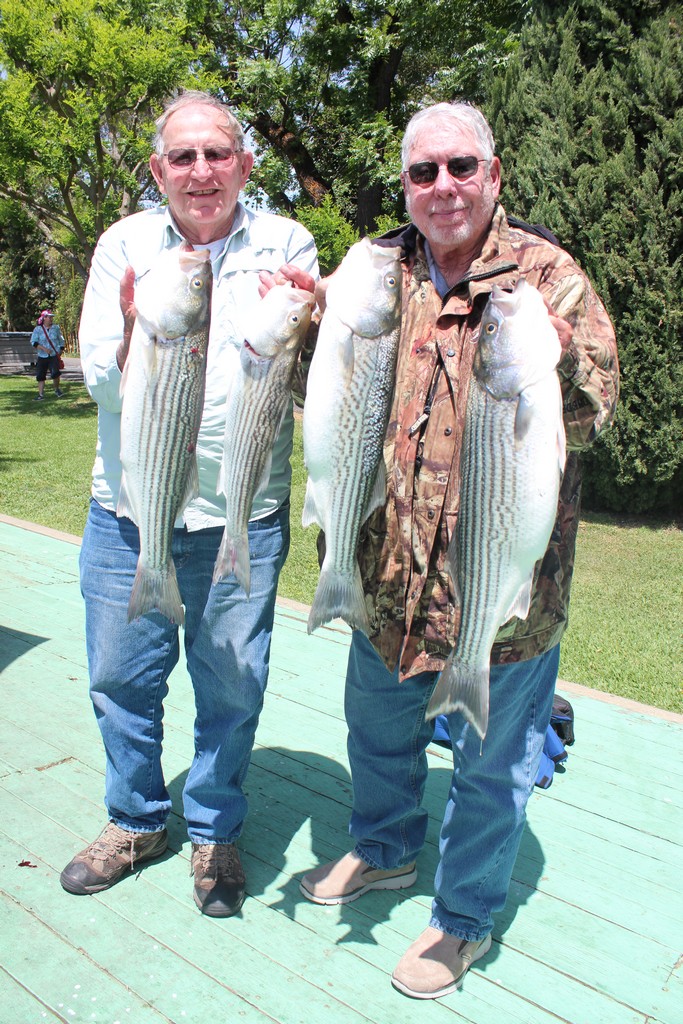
(438,280)
(240,223)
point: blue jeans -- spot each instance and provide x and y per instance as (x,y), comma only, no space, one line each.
(227,648)
(491,785)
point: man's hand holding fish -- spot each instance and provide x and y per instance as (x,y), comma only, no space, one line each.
(505,368)
(189,269)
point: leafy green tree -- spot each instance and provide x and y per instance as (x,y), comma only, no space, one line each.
(327,86)
(80,83)
(588,118)
(25,276)
(69,288)
(333,234)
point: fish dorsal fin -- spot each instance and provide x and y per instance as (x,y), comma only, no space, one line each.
(347,357)
(192,488)
(524,415)
(522,601)
(378,495)
(453,570)
(265,475)
(310,512)
(124,378)
(561,441)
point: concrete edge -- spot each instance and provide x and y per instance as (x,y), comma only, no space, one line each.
(46,531)
(576,689)
(624,703)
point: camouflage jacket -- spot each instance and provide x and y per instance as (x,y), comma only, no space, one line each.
(403,545)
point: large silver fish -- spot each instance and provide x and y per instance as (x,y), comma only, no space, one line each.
(257,401)
(348,400)
(163,395)
(512,461)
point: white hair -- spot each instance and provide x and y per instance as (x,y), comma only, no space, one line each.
(455,115)
(193,97)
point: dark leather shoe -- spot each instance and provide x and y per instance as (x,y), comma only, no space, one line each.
(218,879)
(115,853)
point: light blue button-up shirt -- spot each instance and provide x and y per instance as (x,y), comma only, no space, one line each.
(55,336)
(257,241)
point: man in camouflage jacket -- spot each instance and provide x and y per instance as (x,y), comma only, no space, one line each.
(459,244)
(403,552)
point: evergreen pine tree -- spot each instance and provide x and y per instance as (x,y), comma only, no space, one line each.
(588,119)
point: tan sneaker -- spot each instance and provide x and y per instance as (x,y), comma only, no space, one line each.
(344,880)
(219,882)
(436,964)
(115,853)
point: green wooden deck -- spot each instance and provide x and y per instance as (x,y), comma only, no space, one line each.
(592,932)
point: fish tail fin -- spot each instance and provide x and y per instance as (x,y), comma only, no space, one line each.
(339,596)
(463,689)
(156,589)
(233,557)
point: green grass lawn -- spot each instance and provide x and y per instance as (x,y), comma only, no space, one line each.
(625,628)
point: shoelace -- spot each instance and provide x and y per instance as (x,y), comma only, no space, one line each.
(113,842)
(216,860)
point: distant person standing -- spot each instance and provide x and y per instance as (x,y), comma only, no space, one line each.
(49,344)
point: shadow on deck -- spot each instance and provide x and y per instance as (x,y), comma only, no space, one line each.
(591,934)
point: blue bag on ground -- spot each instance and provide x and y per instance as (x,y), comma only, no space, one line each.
(560,734)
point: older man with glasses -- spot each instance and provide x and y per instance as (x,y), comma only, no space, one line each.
(459,244)
(200,163)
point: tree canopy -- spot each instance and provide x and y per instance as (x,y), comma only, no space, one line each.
(327,87)
(588,117)
(586,108)
(323,86)
(81,80)
(25,279)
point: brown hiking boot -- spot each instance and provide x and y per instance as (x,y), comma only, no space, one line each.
(218,879)
(115,853)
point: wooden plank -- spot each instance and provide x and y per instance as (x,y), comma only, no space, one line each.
(341,969)
(243,954)
(590,932)
(21,1005)
(611,803)
(558,924)
(424,911)
(273,811)
(43,964)
(616,729)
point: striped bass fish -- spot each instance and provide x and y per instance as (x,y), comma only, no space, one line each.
(512,461)
(163,395)
(258,397)
(348,400)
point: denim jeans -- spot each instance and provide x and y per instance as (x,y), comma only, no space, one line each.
(227,647)
(491,784)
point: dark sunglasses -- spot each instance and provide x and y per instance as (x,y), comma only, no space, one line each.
(459,167)
(187,157)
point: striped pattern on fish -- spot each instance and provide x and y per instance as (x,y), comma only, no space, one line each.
(511,465)
(349,394)
(257,401)
(163,395)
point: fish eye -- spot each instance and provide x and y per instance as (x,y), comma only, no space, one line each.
(294,318)
(196,283)
(391,281)
(490,327)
